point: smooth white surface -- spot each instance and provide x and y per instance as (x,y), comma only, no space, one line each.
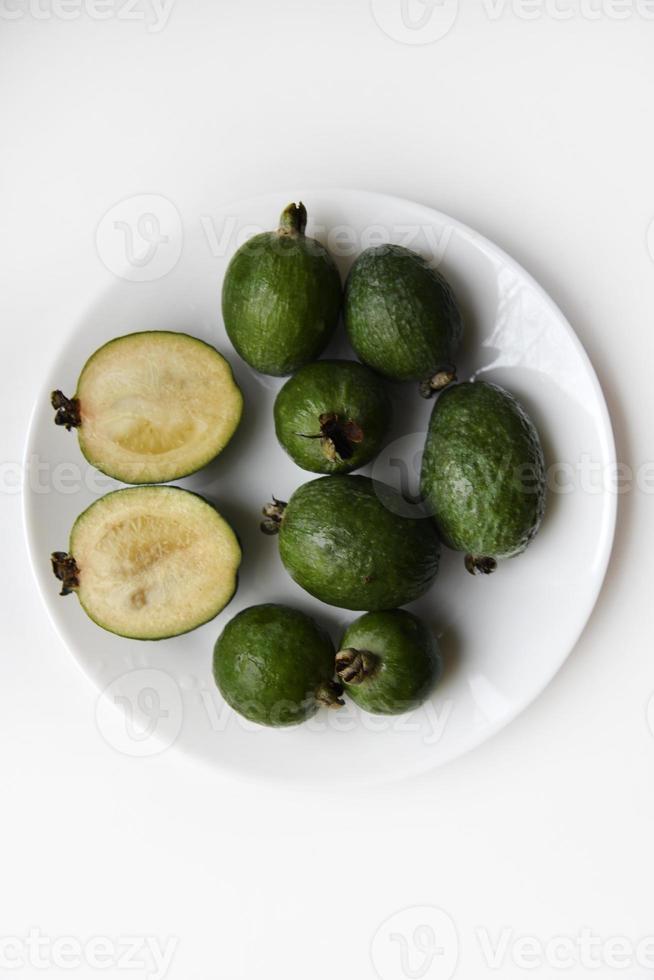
(538,134)
(502,637)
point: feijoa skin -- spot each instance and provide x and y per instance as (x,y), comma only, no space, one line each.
(281,297)
(483,474)
(389,662)
(346,541)
(332,416)
(275,666)
(402,317)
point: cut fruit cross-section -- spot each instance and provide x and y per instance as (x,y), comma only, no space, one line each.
(150,562)
(152,407)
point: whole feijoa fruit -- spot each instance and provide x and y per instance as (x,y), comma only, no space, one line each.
(332,416)
(483,474)
(402,317)
(389,662)
(347,541)
(275,666)
(281,297)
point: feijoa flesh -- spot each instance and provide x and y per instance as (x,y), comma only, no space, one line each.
(275,666)
(152,407)
(332,416)
(281,297)
(402,317)
(483,474)
(389,662)
(150,562)
(348,542)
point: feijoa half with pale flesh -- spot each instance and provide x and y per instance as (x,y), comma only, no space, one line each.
(150,562)
(389,662)
(281,297)
(332,416)
(152,407)
(402,317)
(275,666)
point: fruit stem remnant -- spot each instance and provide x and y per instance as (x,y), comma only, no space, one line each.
(65,569)
(480,564)
(338,438)
(67,410)
(273,512)
(446,376)
(329,695)
(293,220)
(355,666)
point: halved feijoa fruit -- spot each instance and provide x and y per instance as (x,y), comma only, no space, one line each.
(275,666)
(150,562)
(332,416)
(152,407)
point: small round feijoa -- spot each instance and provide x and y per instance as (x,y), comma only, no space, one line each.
(275,666)
(389,662)
(332,416)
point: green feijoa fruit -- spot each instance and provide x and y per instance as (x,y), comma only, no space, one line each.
(347,542)
(402,317)
(281,297)
(275,666)
(152,407)
(332,416)
(389,662)
(150,562)
(483,474)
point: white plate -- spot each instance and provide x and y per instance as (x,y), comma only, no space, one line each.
(504,636)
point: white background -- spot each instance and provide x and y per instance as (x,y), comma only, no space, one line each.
(537,132)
